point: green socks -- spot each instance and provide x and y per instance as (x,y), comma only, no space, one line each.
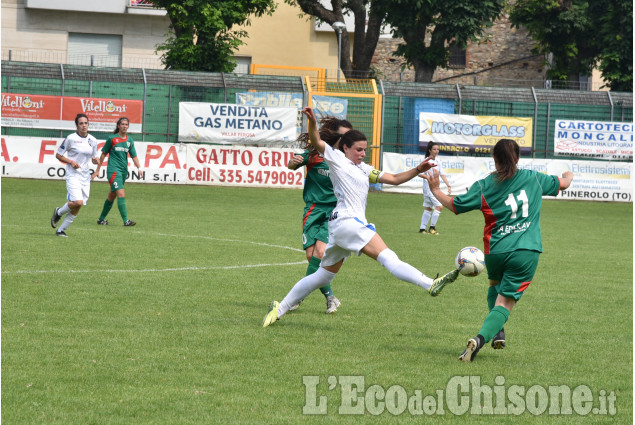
(494,322)
(121,204)
(104,212)
(314,265)
(491,297)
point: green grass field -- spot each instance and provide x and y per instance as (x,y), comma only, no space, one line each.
(161,323)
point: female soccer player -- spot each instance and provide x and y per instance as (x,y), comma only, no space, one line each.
(431,206)
(80,149)
(320,200)
(118,146)
(510,200)
(349,231)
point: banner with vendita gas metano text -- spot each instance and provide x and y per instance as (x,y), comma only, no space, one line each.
(235,124)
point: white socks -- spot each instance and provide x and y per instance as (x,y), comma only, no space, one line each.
(425,218)
(435,218)
(67,222)
(304,287)
(64,209)
(401,270)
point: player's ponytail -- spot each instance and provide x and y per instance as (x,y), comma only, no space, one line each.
(506,154)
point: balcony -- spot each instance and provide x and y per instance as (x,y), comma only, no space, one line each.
(143,7)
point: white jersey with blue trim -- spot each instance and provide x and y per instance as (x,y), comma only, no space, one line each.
(350,184)
(81,150)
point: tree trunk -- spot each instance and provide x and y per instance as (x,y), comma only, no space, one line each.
(423,72)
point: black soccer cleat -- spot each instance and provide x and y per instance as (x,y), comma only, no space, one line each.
(471,349)
(62,234)
(129,223)
(55,218)
(498,342)
(102,222)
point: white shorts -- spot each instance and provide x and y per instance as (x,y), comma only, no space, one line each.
(347,235)
(429,201)
(78,189)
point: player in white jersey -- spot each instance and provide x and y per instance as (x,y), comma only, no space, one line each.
(431,205)
(80,149)
(349,230)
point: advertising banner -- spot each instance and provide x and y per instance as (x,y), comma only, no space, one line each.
(242,166)
(322,105)
(59,112)
(31,111)
(594,139)
(235,124)
(593,181)
(474,134)
(34,158)
(102,113)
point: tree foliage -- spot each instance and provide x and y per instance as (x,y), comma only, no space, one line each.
(429,27)
(580,34)
(203,34)
(368,24)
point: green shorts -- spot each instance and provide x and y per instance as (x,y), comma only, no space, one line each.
(514,270)
(315,224)
(116,180)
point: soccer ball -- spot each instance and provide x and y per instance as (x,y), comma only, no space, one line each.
(470,261)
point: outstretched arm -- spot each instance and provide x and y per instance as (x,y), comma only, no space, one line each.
(314,134)
(397,179)
(433,182)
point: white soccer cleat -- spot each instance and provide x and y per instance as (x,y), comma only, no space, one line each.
(332,304)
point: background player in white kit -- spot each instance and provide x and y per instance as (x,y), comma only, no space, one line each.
(349,231)
(431,205)
(80,149)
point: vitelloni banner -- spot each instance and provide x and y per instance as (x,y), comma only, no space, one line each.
(59,112)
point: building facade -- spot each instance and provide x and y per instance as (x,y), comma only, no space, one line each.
(125,33)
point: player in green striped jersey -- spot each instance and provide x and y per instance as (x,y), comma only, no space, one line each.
(118,147)
(510,200)
(320,200)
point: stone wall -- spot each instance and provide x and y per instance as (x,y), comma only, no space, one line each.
(505,59)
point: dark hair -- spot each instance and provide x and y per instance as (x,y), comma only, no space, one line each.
(328,133)
(119,122)
(429,147)
(506,154)
(334,124)
(350,138)
(80,116)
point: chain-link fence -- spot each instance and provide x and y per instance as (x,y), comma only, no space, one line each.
(403,102)
(161,91)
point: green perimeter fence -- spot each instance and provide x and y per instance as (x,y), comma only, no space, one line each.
(161,91)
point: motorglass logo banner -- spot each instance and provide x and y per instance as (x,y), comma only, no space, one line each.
(474,134)
(594,139)
(235,124)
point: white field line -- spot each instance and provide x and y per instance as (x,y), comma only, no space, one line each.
(172,269)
